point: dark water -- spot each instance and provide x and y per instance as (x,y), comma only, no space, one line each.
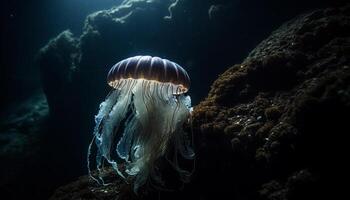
(40,151)
(27,26)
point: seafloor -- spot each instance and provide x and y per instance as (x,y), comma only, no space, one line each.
(272,127)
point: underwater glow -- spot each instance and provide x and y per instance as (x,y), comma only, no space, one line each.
(142,120)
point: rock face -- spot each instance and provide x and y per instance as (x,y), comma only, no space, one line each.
(57,62)
(271,125)
(282,108)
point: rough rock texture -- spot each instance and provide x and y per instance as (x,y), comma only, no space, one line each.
(283,108)
(271,127)
(85,188)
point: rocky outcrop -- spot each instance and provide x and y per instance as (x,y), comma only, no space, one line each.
(57,62)
(282,108)
(270,125)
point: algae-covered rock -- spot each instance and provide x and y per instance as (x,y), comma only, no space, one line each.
(290,94)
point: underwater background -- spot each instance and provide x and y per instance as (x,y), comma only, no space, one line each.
(269,86)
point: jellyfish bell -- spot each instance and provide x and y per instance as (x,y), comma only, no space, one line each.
(142,120)
(150,69)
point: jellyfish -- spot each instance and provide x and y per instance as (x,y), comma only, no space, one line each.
(141,121)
